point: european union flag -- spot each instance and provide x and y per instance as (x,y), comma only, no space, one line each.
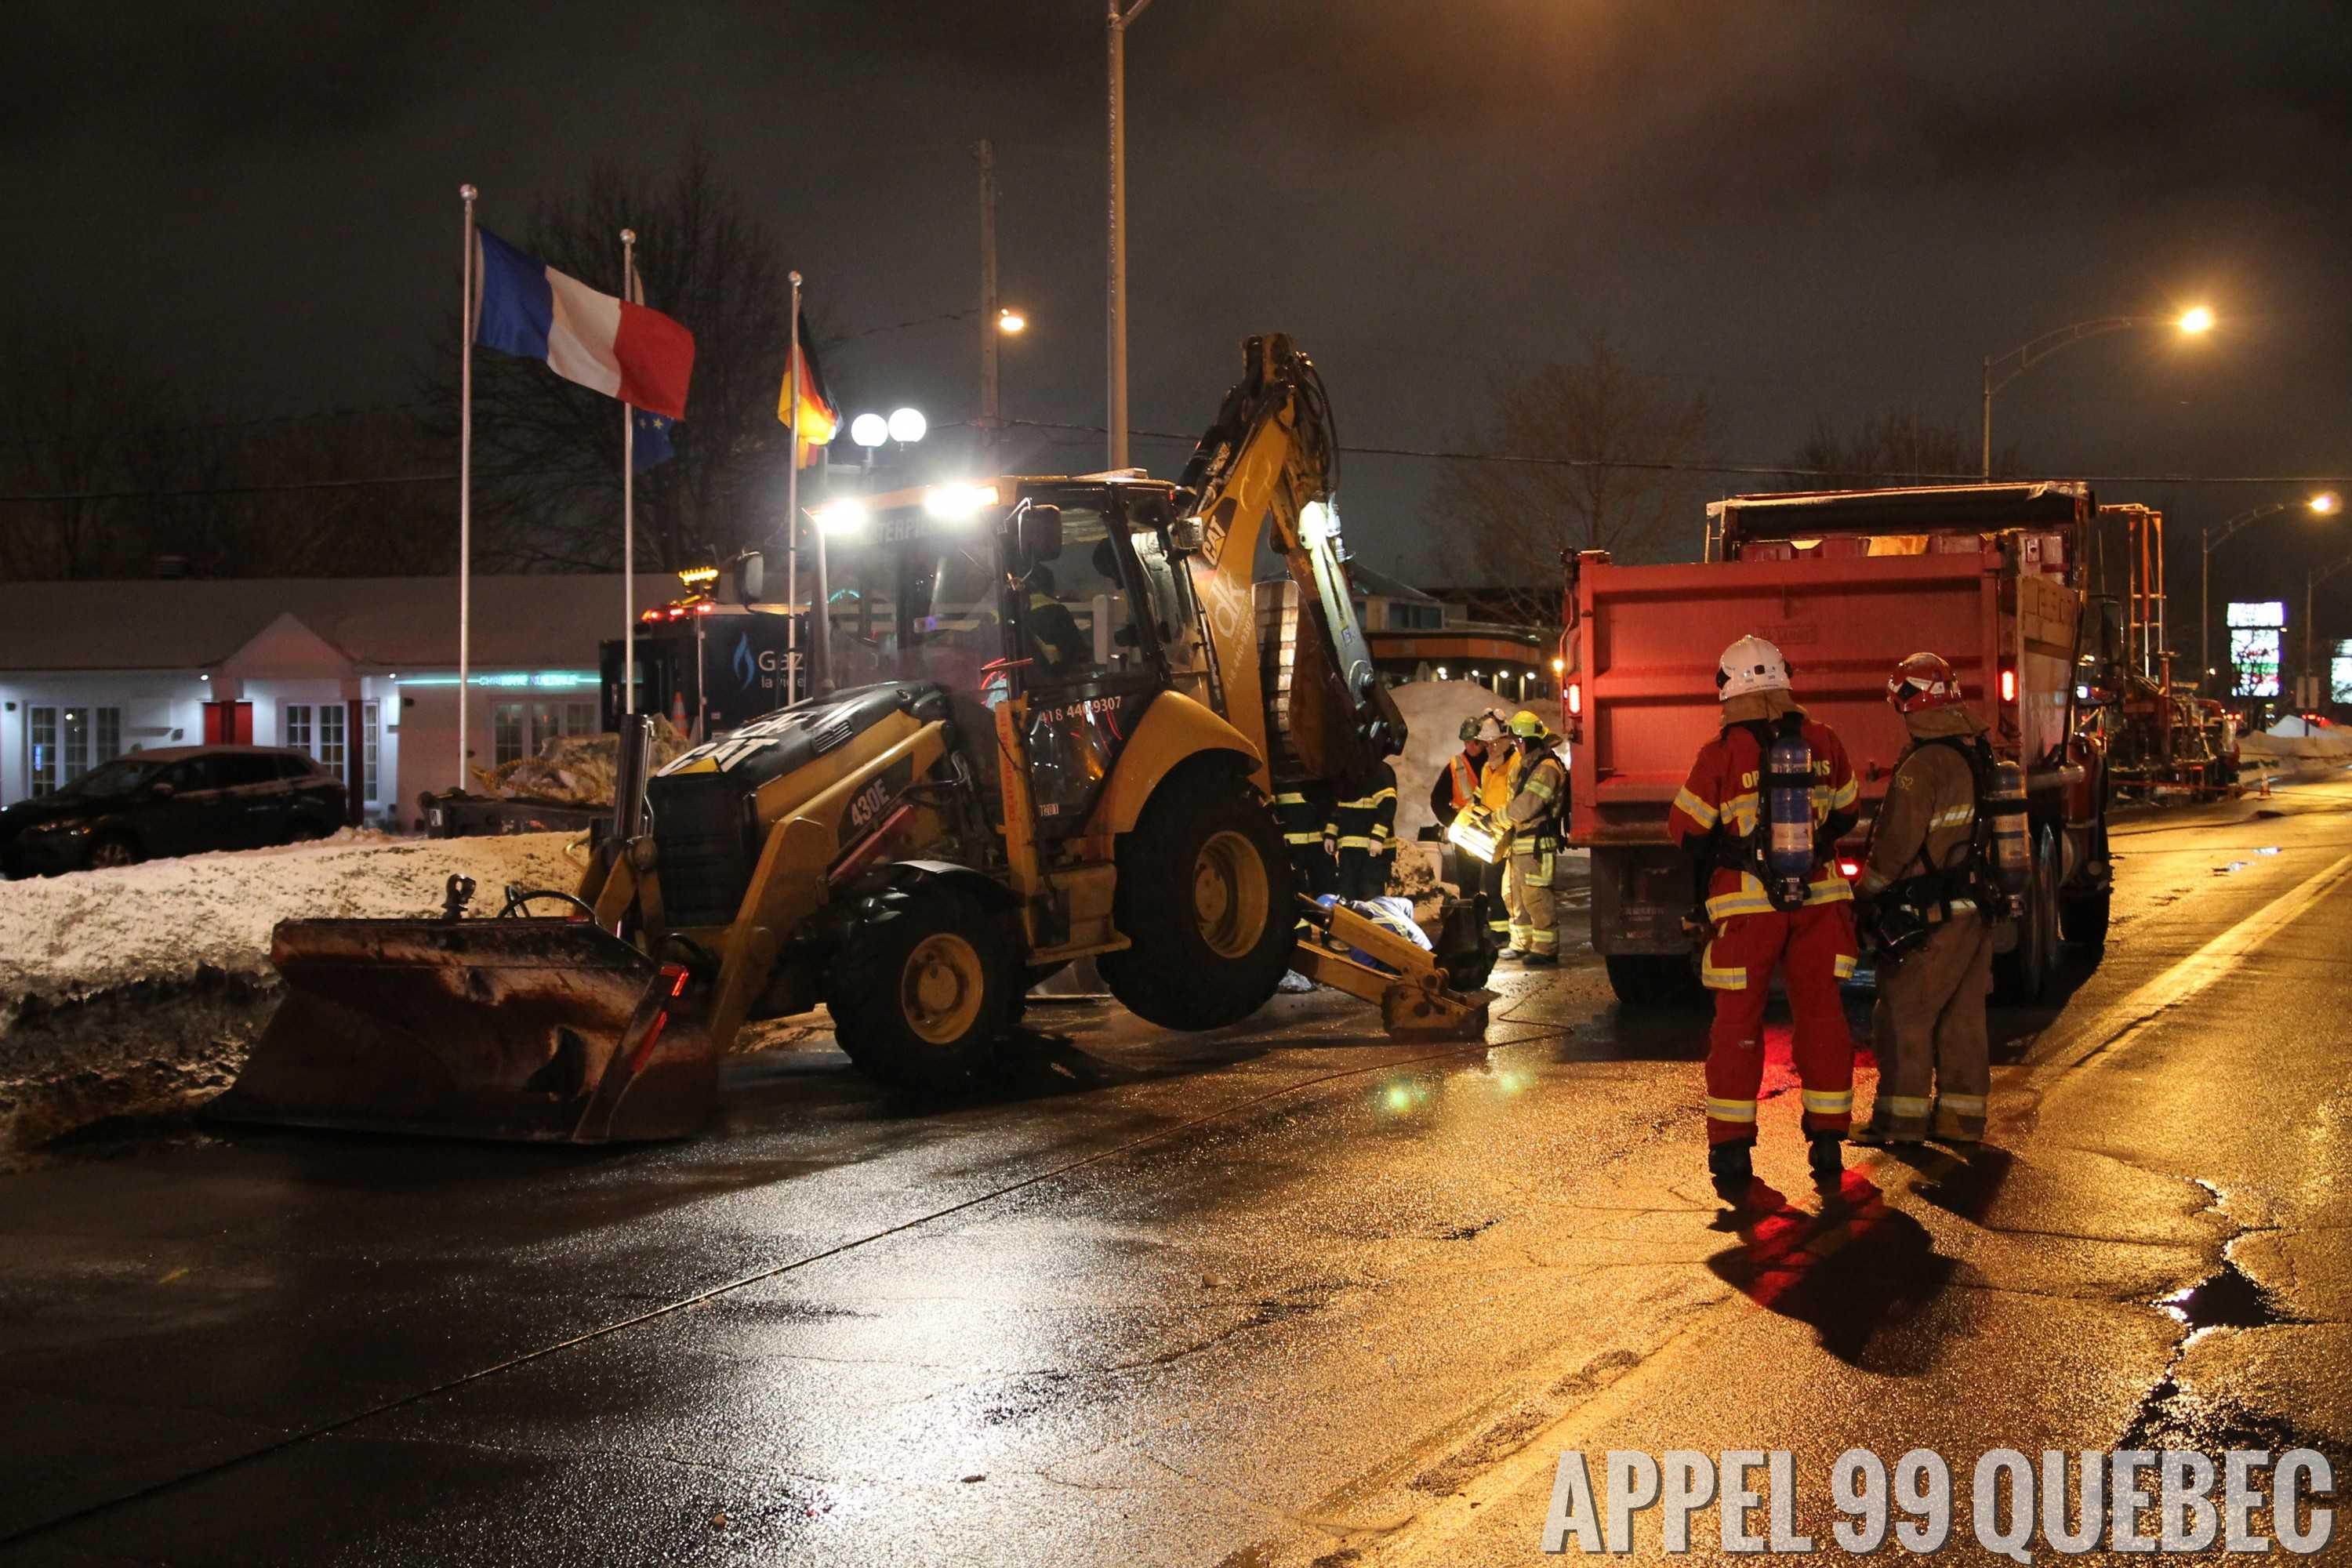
(652,440)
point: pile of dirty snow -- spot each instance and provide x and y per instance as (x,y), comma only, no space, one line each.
(137,988)
(575,770)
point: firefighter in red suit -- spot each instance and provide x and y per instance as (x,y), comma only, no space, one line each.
(1721,814)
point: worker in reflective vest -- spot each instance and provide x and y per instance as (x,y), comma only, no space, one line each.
(1363,831)
(1538,783)
(1303,811)
(1462,786)
(1721,813)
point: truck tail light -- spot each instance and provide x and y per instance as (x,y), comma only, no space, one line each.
(2007,684)
(1575,698)
(1849,869)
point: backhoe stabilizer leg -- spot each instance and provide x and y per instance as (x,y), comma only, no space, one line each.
(1415,1001)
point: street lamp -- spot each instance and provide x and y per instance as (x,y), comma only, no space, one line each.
(1120,13)
(869,430)
(2324,504)
(908,426)
(2320,693)
(2192,322)
(1012,322)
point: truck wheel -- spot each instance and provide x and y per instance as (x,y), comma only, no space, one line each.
(1204,896)
(2021,975)
(922,987)
(1654,979)
(2084,921)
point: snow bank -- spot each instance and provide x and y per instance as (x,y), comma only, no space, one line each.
(1433,711)
(134,988)
(2294,748)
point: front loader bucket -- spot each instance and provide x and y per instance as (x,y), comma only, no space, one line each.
(541,1030)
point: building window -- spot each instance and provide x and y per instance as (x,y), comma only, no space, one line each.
(370,741)
(41,749)
(316,729)
(580,719)
(331,752)
(508,732)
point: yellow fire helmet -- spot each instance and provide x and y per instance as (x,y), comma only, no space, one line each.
(1525,724)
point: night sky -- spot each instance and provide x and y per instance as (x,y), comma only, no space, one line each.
(1819,208)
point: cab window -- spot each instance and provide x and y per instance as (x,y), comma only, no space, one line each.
(1076,621)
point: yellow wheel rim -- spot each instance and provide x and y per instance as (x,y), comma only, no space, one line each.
(940,988)
(1230,894)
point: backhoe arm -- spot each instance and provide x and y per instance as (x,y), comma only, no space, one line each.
(1272,456)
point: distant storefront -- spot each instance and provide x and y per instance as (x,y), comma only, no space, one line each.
(359,673)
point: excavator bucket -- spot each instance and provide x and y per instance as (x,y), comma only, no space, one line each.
(538,1030)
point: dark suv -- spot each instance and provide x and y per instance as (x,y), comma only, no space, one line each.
(181,800)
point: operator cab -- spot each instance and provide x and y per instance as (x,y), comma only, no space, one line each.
(1071,592)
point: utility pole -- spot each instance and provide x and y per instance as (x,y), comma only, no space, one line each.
(990,411)
(1120,13)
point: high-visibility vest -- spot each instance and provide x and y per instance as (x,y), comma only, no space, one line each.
(1464,775)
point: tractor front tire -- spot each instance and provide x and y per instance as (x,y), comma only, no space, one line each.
(1204,897)
(924,985)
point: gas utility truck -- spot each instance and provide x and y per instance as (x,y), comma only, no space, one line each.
(1062,736)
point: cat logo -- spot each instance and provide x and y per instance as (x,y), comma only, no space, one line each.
(1220,523)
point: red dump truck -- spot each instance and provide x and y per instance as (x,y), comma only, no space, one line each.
(1847,583)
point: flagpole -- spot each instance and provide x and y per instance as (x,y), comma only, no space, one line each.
(629,503)
(792,485)
(465,480)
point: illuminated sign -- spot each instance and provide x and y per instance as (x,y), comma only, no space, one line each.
(2339,673)
(2255,652)
(698,576)
(2269,613)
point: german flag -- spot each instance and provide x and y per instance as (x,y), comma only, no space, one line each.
(820,416)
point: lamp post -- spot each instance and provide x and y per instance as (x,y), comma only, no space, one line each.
(2323,504)
(2320,692)
(1118,15)
(2029,354)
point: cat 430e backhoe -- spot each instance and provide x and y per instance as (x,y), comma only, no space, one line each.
(1065,728)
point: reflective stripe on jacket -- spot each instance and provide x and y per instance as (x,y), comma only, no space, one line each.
(1930,807)
(1724,791)
(1367,822)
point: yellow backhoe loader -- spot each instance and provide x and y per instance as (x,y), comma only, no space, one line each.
(1059,731)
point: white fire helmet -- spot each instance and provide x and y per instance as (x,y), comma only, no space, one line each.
(1751,664)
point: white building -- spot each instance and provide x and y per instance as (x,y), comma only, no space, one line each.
(360,673)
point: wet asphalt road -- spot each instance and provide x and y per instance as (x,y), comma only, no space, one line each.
(1289,1294)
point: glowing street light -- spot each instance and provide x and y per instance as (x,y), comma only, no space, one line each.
(847,515)
(2324,504)
(869,430)
(1011,322)
(908,424)
(2194,322)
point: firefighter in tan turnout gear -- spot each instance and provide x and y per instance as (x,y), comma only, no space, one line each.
(1538,798)
(1935,943)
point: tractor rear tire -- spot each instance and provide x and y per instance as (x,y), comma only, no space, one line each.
(923,987)
(1204,896)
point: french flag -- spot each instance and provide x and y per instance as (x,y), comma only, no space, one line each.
(526,308)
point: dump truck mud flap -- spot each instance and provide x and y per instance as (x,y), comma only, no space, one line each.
(539,1030)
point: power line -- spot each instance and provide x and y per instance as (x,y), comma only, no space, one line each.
(1767,470)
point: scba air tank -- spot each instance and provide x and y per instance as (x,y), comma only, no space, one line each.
(1789,818)
(2012,854)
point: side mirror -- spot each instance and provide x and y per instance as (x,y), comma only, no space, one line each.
(1039,533)
(747,577)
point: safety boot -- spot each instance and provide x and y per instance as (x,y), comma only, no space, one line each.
(1510,956)
(1733,1167)
(1827,1156)
(1541,961)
